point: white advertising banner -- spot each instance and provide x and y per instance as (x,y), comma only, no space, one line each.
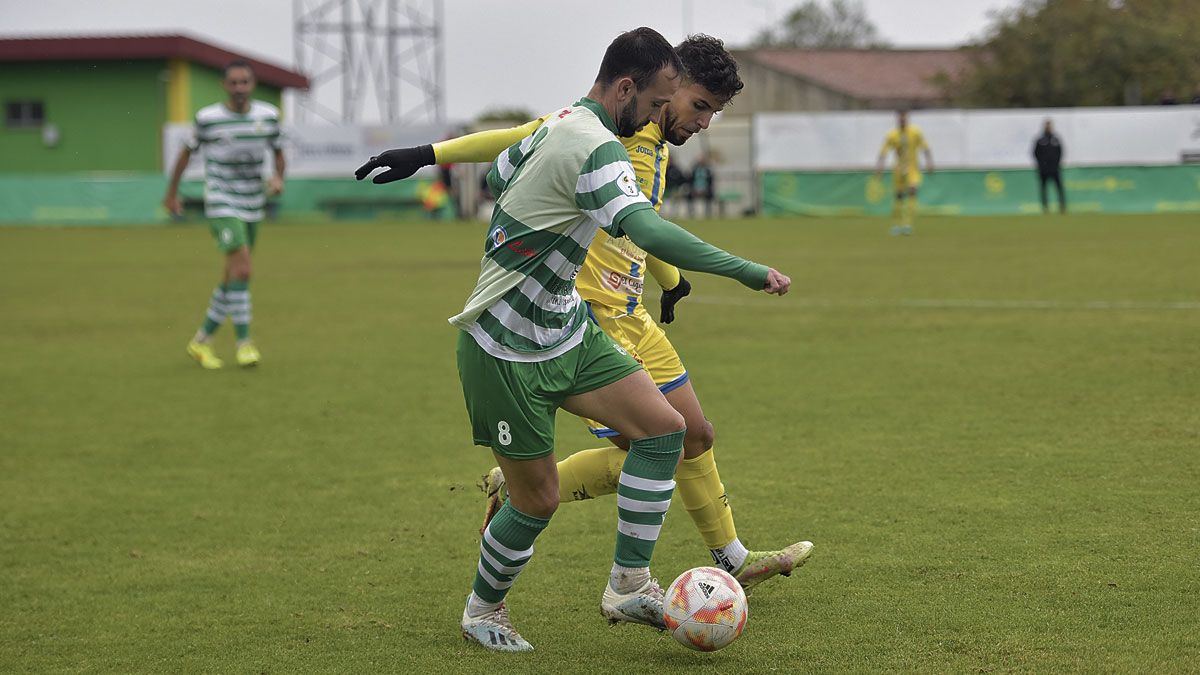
(980,139)
(317,151)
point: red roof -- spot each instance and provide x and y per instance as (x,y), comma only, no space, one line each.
(128,48)
(870,74)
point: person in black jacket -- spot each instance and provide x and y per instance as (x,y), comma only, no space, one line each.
(1048,150)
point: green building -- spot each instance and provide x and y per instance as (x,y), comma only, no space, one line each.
(84,117)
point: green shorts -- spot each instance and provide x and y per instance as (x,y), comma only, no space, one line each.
(233,233)
(512,404)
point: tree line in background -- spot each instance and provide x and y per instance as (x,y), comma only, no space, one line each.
(1052,53)
(1040,53)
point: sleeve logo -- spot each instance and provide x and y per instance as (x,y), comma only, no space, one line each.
(628,184)
(497,237)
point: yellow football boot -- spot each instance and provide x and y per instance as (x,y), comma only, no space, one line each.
(762,565)
(203,354)
(247,355)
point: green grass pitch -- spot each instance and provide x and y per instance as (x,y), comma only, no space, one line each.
(989,429)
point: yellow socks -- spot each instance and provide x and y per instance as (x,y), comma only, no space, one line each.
(910,210)
(590,473)
(703,495)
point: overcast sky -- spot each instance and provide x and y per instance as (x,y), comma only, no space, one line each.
(512,53)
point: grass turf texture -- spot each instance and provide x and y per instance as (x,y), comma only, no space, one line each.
(999,471)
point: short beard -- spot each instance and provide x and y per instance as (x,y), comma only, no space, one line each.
(667,123)
(627,119)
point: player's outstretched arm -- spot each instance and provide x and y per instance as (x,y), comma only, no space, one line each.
(673,244)
(481,146)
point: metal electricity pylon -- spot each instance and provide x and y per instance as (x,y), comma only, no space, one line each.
(370,60)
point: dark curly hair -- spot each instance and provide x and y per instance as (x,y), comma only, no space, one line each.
(706,63)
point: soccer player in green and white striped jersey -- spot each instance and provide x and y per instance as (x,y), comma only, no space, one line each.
(526,346)
(235,137)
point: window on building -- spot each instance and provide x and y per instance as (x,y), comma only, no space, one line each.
(24,114)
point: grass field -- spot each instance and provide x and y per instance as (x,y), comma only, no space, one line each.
(991,430)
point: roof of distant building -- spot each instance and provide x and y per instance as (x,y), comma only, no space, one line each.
(136,47)
(870,74)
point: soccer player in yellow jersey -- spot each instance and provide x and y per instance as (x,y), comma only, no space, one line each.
(611,281)
(905,140)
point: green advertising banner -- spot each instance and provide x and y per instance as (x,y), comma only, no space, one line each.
(1100,190)
(122,198)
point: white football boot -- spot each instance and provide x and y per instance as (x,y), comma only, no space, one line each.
(494,631)
(644,605)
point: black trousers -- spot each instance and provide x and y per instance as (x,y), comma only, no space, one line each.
(1055,176)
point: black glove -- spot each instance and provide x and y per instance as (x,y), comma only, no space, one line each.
(401,163)
(669,298)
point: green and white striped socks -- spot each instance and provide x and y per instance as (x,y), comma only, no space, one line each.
(506,548)
(237,304)
(643,497)
(215,316)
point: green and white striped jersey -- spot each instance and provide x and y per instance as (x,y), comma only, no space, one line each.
(555,188)
(235,146)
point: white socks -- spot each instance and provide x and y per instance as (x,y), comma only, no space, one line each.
(731,556)
(628,579)
(477,607)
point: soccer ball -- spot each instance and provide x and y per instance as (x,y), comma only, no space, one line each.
(705,609)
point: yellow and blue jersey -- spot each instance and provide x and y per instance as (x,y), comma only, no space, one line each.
(905,144)
(615,270)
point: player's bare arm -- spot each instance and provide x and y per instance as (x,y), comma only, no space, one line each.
(275,183)
(171,200)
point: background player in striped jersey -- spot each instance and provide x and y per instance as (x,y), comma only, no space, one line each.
(527,348)
(611,282)
(235,136)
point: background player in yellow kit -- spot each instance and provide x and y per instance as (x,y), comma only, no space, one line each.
(905,140)
(611,281)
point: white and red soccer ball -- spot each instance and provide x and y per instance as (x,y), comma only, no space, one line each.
(705,609)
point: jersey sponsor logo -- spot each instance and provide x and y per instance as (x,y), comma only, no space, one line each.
(560,300)
(623,282)
(563,113)
(625,247)
(628,184)
(644,150)
(519,248)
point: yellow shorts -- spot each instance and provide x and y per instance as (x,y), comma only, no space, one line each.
(904,180)
(645,341)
